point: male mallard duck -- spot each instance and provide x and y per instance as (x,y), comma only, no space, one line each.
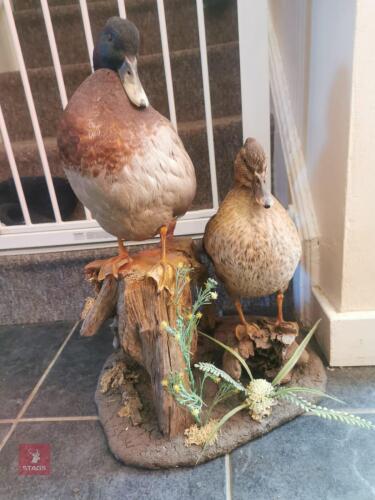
(124,161)
(252,241)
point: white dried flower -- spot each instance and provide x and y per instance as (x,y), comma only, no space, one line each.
(259,398)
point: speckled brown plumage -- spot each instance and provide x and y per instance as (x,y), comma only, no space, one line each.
(255,250)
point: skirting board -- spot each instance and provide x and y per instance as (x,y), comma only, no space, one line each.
(346,338)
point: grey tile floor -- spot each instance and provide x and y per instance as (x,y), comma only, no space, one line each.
(48,376)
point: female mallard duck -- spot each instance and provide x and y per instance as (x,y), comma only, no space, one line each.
(252,241)
(124,161)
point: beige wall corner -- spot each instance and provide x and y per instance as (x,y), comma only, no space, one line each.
(341,160)
(346,338)
(291,20)
(327,50)
(358,279)
(345,298)
(329,115)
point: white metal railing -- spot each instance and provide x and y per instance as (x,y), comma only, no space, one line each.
(121,8)
(31,106)
(14,169)
(57,64)
(207,103)
(254,61)
(87,29)
(54,52)
(167,62)
(59,233)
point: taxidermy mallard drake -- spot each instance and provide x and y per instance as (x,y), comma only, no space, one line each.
(252,241)
(124,161)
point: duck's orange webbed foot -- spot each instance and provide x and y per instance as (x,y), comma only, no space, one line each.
(164,273)
(281,325)
(252,330)
(280,316)
(100,269)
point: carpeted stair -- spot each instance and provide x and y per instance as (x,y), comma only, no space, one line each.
(181,17)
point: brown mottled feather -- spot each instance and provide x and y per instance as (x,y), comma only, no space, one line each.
(255,250)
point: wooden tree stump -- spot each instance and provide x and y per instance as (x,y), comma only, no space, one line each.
(145,303)
(103,308)
(141,310)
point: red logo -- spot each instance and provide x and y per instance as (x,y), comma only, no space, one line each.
(34,460)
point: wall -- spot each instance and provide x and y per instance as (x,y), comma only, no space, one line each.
(340,152)
(316,42)
(315,47)
(328,125)
(358,292)
(291,19)
(337,81)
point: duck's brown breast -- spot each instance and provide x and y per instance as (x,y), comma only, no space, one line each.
(100,127)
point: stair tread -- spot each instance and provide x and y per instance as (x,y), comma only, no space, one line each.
(186,127)
(145,58)
(217,122)
(130,6)
(181,20)
(25,143)
(187,79)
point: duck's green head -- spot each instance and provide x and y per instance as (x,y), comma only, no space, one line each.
(117,49)
(250,170)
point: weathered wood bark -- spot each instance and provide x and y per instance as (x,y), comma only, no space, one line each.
(102,309)
(141,310)
(144,294)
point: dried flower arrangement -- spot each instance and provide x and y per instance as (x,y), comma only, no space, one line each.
(258,395)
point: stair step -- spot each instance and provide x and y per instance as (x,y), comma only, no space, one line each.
(181,18)
(228,140)
(21,5)
(187,77)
